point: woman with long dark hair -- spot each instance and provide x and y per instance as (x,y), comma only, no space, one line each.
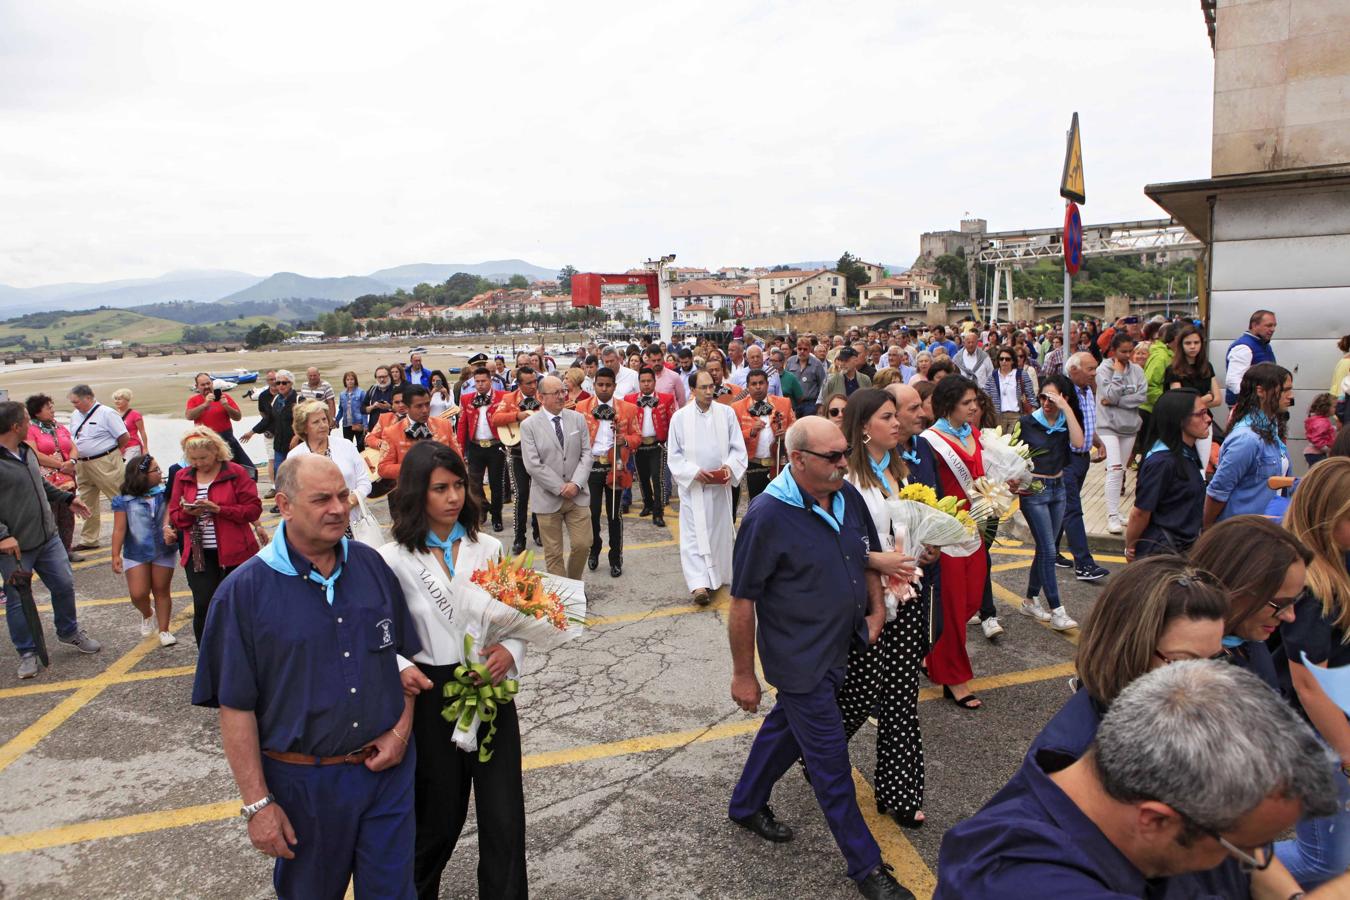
(1254,449)
(956,411)
(1190,368)
(1169,497)
(886,674)
(1264,568)
(436,549)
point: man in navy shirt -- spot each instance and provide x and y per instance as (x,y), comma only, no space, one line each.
(800,569)
(1194,763)
(299,654)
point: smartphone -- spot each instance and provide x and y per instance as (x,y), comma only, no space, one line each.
(217,393)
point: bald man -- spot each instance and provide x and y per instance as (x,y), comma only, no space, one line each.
(317,748)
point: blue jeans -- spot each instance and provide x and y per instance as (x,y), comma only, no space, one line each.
(1075,473)
(52,565)
(1045,514)
(1321,847)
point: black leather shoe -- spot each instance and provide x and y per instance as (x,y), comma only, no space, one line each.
(517,548)
(497,527)
(766,826)
(646,511)
(659,521)
(881,885)
(615,570)
(592,561)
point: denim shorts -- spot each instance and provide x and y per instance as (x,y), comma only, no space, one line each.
(166,560)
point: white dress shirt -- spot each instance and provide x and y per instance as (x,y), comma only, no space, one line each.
(604,435)
(99,434)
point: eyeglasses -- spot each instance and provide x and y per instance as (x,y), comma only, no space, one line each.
(832,457)
(1246,861)
(281,382)
(1167,660)
(1277,608)
(1203,412)
(836,412)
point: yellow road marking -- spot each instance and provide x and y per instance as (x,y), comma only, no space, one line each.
(1008,567)
(999,548)
(910,869)
(648,546)
(28,738)
(102,601)
(142,823)
(56,687)
(719,603)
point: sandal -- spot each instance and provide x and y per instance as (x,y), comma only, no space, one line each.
(905,819)
(969,701)
(702,597)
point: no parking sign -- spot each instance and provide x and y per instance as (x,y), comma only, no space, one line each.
(1073,238)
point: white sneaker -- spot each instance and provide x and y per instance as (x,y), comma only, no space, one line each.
(1060,621)
(1114,525)
(1032,607)
(147,626)
(973,620)
(166,639)
(991,627)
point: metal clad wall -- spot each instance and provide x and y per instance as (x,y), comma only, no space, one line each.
(1288,252)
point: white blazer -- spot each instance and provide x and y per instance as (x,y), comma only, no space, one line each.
(431,602)
(348,459)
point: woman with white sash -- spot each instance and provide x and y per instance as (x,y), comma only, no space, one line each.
(436,549)
(956,443)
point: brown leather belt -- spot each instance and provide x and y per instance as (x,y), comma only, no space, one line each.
(765,462)
(355,758)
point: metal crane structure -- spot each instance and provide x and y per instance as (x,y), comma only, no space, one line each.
(1006,250)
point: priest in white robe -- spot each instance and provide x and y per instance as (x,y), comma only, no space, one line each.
(707,456)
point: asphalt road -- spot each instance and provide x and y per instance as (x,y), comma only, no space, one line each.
(112,784)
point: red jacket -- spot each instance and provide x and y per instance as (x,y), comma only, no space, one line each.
(237,496)
(468,415)
(665,408)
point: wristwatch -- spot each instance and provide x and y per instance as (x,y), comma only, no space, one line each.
(252,809)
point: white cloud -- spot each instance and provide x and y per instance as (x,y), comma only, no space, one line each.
(337,138)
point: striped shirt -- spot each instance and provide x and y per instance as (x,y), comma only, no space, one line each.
(1087,402)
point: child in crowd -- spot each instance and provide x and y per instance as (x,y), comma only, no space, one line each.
(142,544)
(1319,428)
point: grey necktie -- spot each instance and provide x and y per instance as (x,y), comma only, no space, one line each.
(557,429)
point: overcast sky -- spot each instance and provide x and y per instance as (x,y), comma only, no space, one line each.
(337,138)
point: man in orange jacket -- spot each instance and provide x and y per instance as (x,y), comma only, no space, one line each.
(764,420)
(514,409)
(614,435)
(418,426)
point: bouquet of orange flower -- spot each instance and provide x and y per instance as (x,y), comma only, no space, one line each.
(506,600)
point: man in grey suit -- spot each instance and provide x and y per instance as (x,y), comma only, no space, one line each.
(556,447)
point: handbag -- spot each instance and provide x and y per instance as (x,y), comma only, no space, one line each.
(366,528)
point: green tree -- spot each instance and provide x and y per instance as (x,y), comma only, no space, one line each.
(196,334)
(951,272)
(565,278)
(854,273)
(722,314)
(518,281)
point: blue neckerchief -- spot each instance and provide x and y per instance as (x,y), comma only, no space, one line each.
(911,457)
(1258,418)
(277,557)
(157,489)
(1158,447)
(1232,641)
(879,469)
(785,488)
(1061,424)
(447,546)
(946,428)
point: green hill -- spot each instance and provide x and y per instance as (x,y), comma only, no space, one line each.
(84,328)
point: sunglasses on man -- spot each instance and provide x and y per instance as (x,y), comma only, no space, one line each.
(832,457)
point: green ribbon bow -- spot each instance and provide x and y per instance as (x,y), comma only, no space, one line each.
(471,691)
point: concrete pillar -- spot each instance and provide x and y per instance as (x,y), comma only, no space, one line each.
(937,314)
(1023,309)
(1115,307)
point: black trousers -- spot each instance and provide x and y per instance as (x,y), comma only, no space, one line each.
(493,461)
(757,478)
(356,437)
(520,486)
(203,585)
(445,775)
(651,478)
(603,493)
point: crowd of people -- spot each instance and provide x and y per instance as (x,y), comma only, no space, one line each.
(330,712)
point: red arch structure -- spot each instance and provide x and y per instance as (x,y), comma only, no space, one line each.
(586,287)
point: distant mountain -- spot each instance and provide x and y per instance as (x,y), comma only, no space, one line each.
(186,285)
(289,285)
(434,273)
(195,313)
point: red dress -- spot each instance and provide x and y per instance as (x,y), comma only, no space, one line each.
(962,583)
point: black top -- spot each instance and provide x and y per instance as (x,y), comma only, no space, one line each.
(1174,492)
(1314,633)
(1050,451)
(1200,382)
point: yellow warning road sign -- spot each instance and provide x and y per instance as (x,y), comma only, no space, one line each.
(1071,182)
